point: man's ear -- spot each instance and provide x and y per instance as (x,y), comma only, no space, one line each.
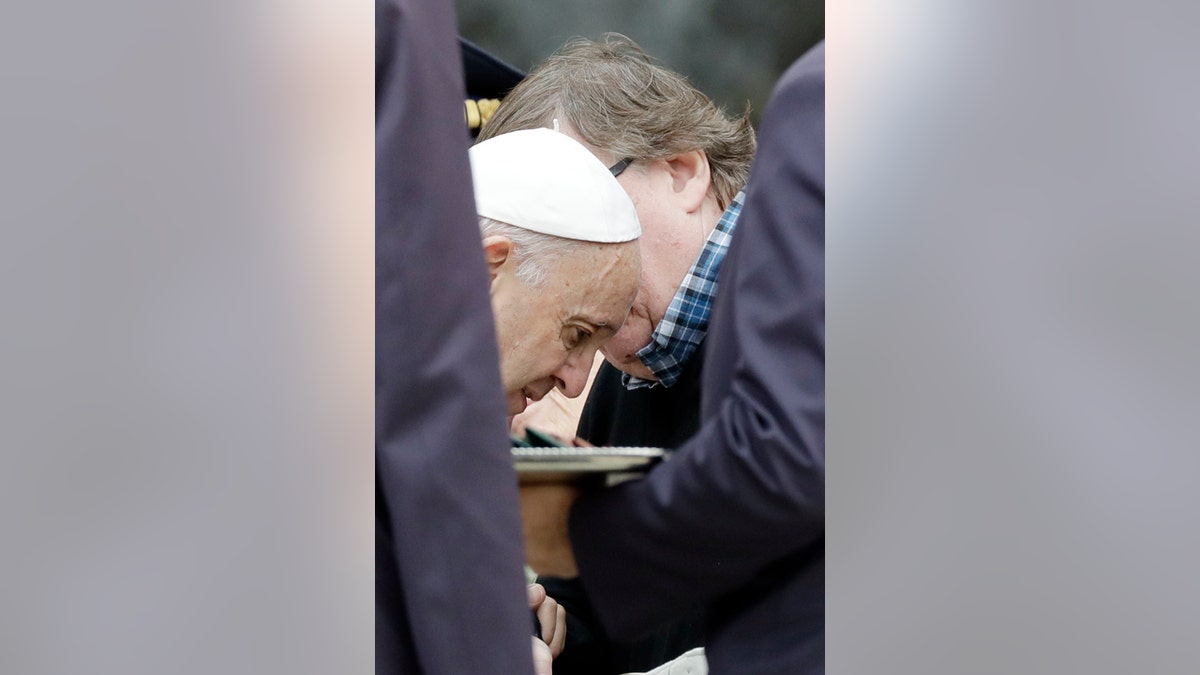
(690,178)
(497,250)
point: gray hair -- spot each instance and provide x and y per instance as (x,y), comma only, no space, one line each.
(621,102)
(535,252)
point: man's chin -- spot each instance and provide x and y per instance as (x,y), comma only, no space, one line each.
(635,368)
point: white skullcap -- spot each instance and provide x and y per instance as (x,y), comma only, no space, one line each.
(542,180)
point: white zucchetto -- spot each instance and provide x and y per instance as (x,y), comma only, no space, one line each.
(545,181)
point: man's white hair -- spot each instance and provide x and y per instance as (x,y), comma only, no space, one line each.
(535,252)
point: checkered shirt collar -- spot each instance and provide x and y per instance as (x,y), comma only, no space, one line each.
(685,323)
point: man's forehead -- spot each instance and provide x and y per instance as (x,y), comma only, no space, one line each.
(599,305)
(593,281)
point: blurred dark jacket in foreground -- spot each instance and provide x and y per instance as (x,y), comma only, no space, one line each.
(449,592)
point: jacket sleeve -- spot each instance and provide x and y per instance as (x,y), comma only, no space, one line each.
(748,489)
(447,490)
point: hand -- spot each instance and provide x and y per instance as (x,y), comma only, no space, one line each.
(552,617)
(542,658)
(545,508)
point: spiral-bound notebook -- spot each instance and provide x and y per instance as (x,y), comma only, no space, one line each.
(539,456)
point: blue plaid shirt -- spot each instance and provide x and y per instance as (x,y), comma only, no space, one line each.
(685,324)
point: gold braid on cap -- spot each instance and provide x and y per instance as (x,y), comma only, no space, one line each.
(479,112)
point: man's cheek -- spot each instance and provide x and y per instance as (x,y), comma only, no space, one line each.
(617,348)
(640,337)
(632,337)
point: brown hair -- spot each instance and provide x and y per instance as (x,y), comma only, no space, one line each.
(620,101)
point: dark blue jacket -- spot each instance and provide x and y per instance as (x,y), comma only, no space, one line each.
(449,590)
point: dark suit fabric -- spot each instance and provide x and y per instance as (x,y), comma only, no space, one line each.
(657,417)
(736,518)
(613,415)
(449,592)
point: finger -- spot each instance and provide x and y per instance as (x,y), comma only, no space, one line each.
(536,594)
(542,658)
(560,632)
(547,616)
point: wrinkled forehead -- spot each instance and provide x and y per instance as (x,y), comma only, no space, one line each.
(599,280)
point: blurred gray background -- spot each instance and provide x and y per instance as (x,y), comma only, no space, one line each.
(732,52)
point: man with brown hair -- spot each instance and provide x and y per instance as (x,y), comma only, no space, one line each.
(735,519)
(683,161)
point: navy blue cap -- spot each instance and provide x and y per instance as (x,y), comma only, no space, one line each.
(486,76)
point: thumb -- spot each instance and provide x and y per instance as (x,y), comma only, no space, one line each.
(535,595)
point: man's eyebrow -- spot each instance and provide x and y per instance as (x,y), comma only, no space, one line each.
(599,326)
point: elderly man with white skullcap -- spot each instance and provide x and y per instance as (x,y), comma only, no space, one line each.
(559,238)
